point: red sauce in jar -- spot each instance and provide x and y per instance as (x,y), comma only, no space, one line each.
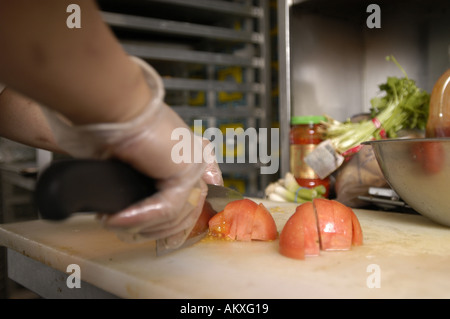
(304,137)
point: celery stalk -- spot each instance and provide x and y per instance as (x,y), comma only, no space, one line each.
(276,198)
(404,106)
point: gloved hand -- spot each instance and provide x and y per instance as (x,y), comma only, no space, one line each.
(145,143)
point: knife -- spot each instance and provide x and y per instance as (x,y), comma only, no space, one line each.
(107,186)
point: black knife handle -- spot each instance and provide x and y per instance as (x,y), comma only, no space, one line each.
(87,185)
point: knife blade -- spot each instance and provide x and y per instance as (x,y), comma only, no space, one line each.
(89,186)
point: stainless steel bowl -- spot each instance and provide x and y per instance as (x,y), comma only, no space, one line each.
(419,172)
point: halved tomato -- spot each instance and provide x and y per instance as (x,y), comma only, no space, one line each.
(329,222)
(243,220)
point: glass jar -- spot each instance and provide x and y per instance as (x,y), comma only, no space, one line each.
(304,137)
(438,124)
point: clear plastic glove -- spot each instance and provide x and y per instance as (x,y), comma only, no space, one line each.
(145,143)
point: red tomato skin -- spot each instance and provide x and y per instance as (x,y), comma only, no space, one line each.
(264,227)
(357,234)
(235,221)
(241,205)
(244,224)
(292,236)
(241,214)
(243,220)
(325,222)
(335,224)
(344,226)
(309,221)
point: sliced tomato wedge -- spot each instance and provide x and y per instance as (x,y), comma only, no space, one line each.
(243,220)
(309,220)
(335,224)
(264,227)
(292,237)
(300,237)
(357,236)
(219,226)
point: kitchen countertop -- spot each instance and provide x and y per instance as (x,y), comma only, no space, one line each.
(403,256)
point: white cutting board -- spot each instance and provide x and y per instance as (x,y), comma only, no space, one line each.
(404,256)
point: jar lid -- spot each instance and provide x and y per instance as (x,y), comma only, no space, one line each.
(310,119)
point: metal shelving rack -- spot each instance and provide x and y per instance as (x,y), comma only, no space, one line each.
(190,43)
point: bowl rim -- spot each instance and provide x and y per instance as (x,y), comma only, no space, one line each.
(406,139)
